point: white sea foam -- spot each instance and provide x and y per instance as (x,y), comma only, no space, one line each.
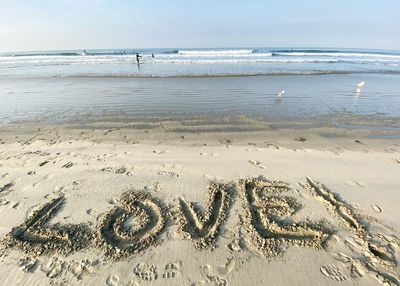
(239,61)
(208,53)
(213,55)
(336,54)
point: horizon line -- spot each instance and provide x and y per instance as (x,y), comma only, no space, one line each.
(210,47)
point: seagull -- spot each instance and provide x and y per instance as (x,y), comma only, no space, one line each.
(282,92)
(361,84)
(358,88)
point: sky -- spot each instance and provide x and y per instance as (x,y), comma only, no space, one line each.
(27,25)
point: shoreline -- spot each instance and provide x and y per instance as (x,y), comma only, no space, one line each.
(194,76)
(302,137)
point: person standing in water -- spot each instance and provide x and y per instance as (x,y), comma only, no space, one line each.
(138,57)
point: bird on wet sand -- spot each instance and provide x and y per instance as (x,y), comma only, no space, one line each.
(359,88)
(282,92)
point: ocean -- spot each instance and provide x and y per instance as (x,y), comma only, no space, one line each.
(65,86)
(197,62)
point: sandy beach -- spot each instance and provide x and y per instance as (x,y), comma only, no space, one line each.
(133,207)
(200,143)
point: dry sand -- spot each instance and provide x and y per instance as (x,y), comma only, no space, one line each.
(123,207)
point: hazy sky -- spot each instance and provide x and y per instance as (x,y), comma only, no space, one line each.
(79,24)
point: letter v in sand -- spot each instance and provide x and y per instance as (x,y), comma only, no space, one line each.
(202,228)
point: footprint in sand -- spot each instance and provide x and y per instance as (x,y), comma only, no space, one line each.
(43,163)
(333,272)
(376,208)
(157,187)
(146,271)
(160,152)
(113,201)
(226,269)
(218,280)
(112,280)
(28,264)
(235,245)
(172,270)
(208,177)
(272,145)
(357,270)
(169,174)
(352,245)
(3,254)
(16,206)
(206,154)
(396,161)
(206,271)
(4,202)
(225,141)
(67,165)
(80,268)
(342,257)
(92,212)
(361,184)
(55,267)
(300,139)
(6,187)
(257,164)
(118,171)
(40,153)
(356,184)
(218,275)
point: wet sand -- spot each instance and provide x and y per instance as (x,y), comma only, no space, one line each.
(120,100)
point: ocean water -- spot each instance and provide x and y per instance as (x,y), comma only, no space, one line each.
(66,86)
(196,62)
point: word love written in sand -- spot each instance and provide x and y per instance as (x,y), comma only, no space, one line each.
(139,220)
